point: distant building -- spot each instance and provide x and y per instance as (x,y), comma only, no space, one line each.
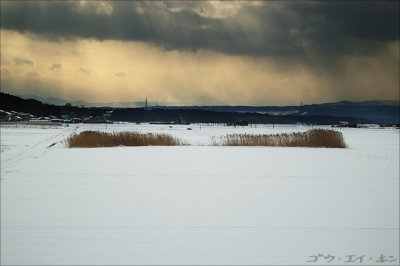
(5,116)
(13,116)
(241,123)
(76,120)
(24,116)
(181,121)
(107,115)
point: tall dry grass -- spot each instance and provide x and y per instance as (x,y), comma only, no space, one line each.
(311,138)
(92,139)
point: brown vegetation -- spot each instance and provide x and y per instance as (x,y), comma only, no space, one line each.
(91,139)
(311,138)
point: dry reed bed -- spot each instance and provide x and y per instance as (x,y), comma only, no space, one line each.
(311,138)
(92,139)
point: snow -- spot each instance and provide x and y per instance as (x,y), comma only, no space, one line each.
(197,204)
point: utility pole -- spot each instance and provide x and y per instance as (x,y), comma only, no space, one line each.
(273,120)
(301,111)
(301,107)
(145,110)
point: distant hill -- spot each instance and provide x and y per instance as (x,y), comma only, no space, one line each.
(52,100)
(59,101)
(374,111)
(10,102)
(208,116)
(326,113)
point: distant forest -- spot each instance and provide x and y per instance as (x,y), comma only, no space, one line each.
(166,115)
(13,103)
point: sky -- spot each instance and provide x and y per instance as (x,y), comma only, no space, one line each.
(201,52)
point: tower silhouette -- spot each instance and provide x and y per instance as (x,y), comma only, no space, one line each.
(145,118)
(301,112)
(301,107)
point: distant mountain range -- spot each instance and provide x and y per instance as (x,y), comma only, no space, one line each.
(373,111)
(59,101)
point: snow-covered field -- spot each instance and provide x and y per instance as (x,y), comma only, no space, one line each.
(198,204)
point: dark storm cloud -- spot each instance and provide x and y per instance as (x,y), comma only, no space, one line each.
(273,28)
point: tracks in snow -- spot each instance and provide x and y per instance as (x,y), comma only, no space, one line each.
(11,159)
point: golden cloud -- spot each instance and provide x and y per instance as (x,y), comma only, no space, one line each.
(92,70)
